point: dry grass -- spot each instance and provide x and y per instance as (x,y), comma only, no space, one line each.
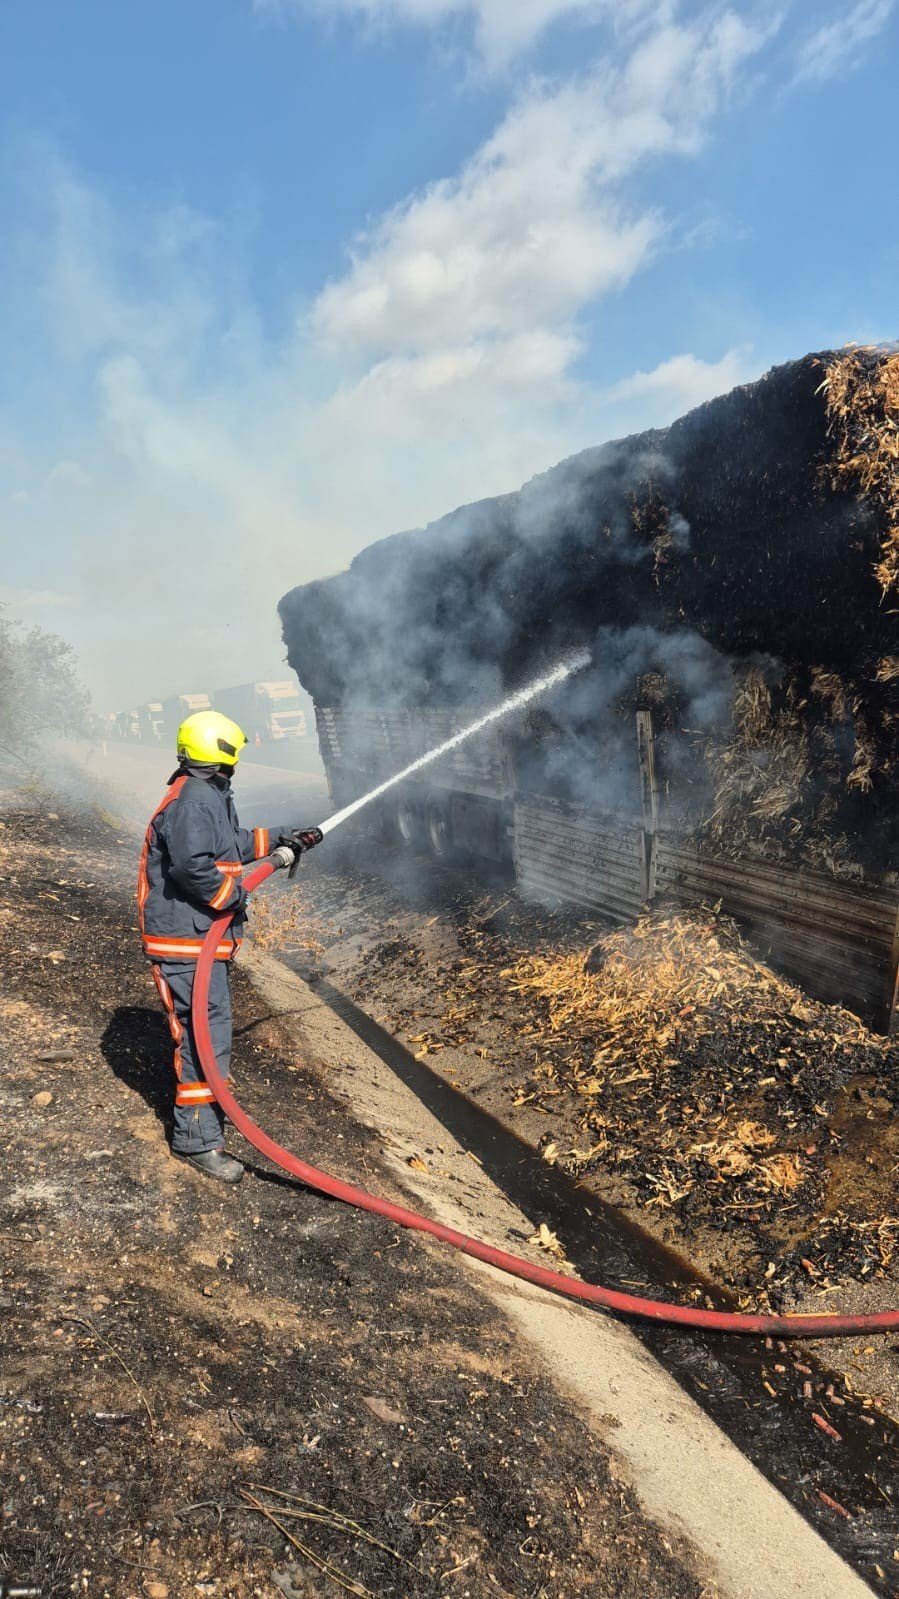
(284,922)
(862,398)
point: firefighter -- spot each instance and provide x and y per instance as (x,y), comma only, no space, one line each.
(190,870)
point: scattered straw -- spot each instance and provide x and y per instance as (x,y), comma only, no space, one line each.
(736,1154)
(285,922)
(641,985)
(618,1028)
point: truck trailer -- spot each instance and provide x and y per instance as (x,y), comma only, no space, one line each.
(736,736)
(151,721)
(266,711)
(127,725)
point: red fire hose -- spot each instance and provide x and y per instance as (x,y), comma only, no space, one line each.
(609,1298)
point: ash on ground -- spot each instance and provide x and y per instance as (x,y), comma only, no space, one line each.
(194,1377)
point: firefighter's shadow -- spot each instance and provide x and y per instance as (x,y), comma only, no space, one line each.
(137,1048)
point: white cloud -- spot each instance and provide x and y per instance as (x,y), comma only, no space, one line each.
(67,475)
(501,29)
(682,382)
(441,367)
(839,45)
(535,227)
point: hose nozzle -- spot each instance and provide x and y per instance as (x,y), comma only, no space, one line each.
(283,858)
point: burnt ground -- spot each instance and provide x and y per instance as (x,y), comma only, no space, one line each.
(428,955)
(167,1344)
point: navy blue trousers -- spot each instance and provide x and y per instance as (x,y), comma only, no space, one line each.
(199,1124)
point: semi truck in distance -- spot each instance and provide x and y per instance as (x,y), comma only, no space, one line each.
(266,711)
(127,725)
(150,721)
(179,706)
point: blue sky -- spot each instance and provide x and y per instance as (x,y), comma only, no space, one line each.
(280,277)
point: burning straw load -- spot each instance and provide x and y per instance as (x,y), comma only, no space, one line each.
(746,557)
(809,743)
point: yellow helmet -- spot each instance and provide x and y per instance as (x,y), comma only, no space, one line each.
(210,737)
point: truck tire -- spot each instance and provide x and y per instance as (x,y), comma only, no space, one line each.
(409,824)
(439,830)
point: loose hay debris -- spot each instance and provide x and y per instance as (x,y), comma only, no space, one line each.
(702,1072)
(285,922)
(647,991)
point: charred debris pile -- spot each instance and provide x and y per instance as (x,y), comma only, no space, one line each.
(720,1091)
(736,573)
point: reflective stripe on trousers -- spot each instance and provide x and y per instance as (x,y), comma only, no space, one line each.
(199,1124)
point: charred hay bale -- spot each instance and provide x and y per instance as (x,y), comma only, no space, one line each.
(753,541)
(771,541)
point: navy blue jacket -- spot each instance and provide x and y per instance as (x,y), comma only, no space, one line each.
(190,867)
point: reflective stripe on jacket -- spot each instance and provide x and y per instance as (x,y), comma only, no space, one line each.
(190,867)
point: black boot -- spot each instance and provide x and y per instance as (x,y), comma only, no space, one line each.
(214,1163)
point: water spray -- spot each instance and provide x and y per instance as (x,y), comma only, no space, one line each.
(515,701)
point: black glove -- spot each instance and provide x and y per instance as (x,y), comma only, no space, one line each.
(302,838)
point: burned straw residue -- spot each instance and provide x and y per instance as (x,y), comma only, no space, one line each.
(701,1075)
(663,1062)
(844,1245)
(787,773)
